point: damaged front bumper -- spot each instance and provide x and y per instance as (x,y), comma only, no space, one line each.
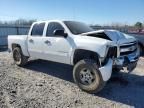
(127,62)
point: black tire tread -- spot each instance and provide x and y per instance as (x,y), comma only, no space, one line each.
(94,64)
(24,59)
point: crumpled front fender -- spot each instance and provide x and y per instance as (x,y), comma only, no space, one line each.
(106,70)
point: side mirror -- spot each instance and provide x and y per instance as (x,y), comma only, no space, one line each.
(60,33)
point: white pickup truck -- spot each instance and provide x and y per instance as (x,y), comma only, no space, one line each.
(94,54)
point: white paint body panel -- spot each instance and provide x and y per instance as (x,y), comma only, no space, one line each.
(20,40)
(91,43)
(106,70)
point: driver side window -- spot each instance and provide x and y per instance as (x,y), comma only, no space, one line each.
(52,27)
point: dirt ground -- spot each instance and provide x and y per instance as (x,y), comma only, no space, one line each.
(43,84)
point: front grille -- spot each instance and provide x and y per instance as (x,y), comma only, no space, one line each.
(127,53)
(127,49)
(128,45)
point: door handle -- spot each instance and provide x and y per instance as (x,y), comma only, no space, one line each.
(31,41)
(47,42)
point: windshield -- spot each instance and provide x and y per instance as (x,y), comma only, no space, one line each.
(78,27)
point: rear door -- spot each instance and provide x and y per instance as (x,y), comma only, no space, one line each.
(35,39)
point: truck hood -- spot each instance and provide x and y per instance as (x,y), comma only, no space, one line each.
(113,35)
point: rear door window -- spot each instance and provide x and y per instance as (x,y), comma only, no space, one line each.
(38,29)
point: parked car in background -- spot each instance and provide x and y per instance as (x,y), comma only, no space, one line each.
(94,54)
(140,38)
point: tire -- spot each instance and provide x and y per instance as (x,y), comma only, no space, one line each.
(18,57)
(116,70)
(81,77)
(140,50)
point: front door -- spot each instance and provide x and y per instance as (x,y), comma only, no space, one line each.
(56,48)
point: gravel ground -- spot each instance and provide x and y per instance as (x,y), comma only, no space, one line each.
(43,84)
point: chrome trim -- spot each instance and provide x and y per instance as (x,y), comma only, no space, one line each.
(131,43)
(118,51)
(130,48)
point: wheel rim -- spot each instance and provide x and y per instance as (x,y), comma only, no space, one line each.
(87,76)
(17,56)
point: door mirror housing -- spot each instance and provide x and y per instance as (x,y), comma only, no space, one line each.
(60,33)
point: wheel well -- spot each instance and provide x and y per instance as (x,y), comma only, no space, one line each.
(15,45)
(81,54)
(141,45)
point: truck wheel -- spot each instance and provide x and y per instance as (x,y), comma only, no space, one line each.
(140,50)
(87,76)
(18,57)
(116,70)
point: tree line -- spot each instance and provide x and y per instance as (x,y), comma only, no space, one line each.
(23,22)
(139,26)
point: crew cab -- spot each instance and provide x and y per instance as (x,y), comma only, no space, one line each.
(94,54)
